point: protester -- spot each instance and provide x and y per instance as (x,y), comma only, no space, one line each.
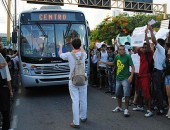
(5,92)
(136,61)
(78,93)
(111,71)
(94,61)
(122,63)
(103,57)
(157,77)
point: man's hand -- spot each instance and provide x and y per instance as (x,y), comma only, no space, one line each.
(150,27)
(130,79)
(146,31)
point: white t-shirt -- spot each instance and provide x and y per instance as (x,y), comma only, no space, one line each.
(68,56)
(159,57)
(104,58)
(136,62)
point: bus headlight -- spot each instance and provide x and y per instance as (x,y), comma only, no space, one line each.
(26,71)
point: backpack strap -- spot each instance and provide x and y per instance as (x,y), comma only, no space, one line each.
(73,54)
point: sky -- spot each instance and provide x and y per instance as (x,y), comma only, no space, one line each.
(94,16)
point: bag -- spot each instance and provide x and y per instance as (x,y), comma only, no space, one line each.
(78,75)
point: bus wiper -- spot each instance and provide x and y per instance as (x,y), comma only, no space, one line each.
(41,29)
(68,29)
(44,34)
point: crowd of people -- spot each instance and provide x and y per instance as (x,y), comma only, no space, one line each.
(9,70)
(136,75)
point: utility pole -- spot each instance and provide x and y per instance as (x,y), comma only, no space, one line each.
(8,22)
(15,12)
(165,11)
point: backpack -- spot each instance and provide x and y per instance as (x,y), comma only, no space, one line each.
(78,75)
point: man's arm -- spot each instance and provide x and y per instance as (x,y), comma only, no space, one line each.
(146,36)
(152,35)
(60,49)
(131,74)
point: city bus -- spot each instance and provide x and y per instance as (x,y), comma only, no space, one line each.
(40,31)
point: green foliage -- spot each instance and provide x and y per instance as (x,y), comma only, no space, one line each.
(124,24)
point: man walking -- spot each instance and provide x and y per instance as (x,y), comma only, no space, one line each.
(122,63)
(78,93)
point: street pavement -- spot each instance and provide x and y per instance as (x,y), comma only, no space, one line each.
(50,109)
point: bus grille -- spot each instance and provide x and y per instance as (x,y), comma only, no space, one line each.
(52,70)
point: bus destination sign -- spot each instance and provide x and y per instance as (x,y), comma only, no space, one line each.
(57,16)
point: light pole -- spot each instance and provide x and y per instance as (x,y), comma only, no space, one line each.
(8,22)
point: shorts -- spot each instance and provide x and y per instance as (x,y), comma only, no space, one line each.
(102,71)
(122,87)
(167,80)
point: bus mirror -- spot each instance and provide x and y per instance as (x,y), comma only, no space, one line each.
(14,37)
(88,31)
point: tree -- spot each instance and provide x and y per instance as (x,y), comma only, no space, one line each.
(124,24)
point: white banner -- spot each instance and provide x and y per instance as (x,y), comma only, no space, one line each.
(165,24)
(138,37)
(138,40)
(162,33)
(139,30)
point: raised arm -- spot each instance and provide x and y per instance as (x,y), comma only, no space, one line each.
(152,35)
(146,36)
(60,48)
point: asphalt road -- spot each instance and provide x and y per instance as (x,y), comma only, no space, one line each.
(50,109)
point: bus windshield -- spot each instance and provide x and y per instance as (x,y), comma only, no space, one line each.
(41,40)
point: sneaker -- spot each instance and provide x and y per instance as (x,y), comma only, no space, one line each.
(126,113)
(114,97)
(148,114)
(155,108)
(168,114)
(123,99)
(83,120)
(75,126)
(138,108)
(160,112)
(117,109)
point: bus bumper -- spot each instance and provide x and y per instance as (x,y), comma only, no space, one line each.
(40,81)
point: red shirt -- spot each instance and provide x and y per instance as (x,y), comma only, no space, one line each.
(145,61)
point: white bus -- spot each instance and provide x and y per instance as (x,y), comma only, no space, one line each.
(39,33)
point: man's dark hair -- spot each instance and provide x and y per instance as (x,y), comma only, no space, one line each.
(161,42)
(76,43)
(111,48)
(121,46)
(103,45)
(127,43)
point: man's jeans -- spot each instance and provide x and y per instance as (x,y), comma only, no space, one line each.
(111,80)
(79,102)
(157,87)
(126,88)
